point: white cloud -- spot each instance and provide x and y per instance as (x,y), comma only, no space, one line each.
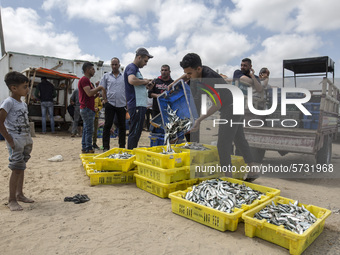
(24,32)
(136,38)
(176,17)
(272,15)
(280,47)
(317,15)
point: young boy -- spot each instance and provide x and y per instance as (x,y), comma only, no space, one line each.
(14,127)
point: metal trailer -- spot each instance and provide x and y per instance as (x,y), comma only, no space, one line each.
(298,140)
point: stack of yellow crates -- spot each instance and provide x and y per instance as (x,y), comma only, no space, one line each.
(104,170)
(161,174)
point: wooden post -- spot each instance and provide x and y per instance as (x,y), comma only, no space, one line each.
(31,86)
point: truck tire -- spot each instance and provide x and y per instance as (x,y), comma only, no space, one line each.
(258,154)
(324,155)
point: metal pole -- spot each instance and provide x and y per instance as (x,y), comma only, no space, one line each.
(3,51)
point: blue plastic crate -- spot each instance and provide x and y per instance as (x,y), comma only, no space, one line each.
(314,125)
(156,140)
(307,123)
(312,107)
(315,115)
(179,98)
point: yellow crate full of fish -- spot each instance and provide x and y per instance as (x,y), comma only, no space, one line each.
(221,215)
(160,189)
(199,153)
(154,156)
(111,177)
(116,159)
(210,170)
(163,175)
(292,238)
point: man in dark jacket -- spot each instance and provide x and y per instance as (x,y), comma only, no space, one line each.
(45,92)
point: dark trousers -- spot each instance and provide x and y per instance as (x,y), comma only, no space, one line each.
(227,135)
(137,117)
(110,113)
(148,114)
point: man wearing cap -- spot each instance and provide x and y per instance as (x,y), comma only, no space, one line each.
(136,95)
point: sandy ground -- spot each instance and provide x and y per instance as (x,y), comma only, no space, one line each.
(122,219)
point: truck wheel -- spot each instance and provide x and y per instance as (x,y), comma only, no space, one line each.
(258,154)
(324,155)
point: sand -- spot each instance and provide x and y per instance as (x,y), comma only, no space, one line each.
(123,219)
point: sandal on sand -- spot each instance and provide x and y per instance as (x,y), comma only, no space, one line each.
(77,199)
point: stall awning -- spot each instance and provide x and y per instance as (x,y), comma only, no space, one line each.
(49,73)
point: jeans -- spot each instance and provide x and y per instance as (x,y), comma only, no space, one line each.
(137,117)
(110,113)
(88,119)
(47,106)
(95,130)
(227,135)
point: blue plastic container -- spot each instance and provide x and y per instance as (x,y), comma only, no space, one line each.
(156,139)
(307,123)
(179,98)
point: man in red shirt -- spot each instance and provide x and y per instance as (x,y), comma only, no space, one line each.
(87,94)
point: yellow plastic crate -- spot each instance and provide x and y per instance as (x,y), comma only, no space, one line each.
(160,189)
(214,218)
(278,234)
(163,175)
(203,171)
(111,177)
(87,157)
(200,157)
(124,165)
(152,156)
(90,168)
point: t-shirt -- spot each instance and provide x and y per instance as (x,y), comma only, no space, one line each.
(135,95)
(159,87)
(237,75)
(84,100)
(16,122)
(47,91)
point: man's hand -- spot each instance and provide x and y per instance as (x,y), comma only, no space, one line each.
(196,126)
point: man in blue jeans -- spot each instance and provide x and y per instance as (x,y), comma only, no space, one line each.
(45,92)
(136,95)
(87,94)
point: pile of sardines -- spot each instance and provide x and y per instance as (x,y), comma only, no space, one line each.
(222,195)
(195,146)
(123,155)
(174,126)
(293,217)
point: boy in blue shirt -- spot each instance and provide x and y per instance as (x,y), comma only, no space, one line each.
(14,127)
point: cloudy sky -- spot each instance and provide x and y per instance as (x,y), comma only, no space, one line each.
(221,32)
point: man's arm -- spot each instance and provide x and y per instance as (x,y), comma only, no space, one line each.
(214,108)
(183,77)
(92,92)
(133,80)
(252,81)
(3,130)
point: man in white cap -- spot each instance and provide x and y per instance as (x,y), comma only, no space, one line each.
(136,95)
